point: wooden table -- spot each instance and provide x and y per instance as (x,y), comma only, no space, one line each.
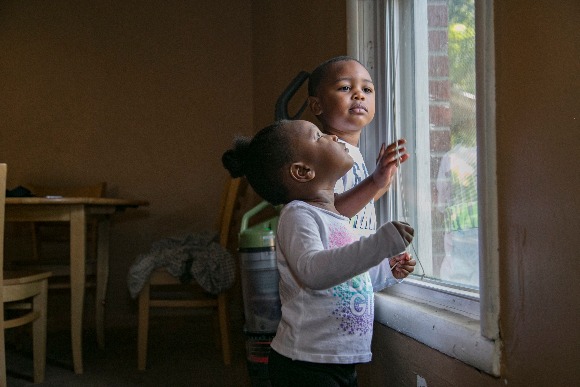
(77,211)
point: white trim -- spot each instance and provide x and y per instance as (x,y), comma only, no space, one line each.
(451,333)
(352,28)
(465,327)
(487,175)
(455,300)
(418,116)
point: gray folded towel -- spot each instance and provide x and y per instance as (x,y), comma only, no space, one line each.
(196,256)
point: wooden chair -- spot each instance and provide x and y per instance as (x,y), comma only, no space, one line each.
(197,298)
(24,296)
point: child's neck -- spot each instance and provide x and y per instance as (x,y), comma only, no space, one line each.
(321,198)
(350,137)
(324,205)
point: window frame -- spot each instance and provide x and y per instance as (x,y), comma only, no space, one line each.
(459,323)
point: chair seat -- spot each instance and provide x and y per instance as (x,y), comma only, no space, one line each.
(24,296)
(60,278)
(58,268)
(19,285)
(167,291)
(160,277)
(13,277)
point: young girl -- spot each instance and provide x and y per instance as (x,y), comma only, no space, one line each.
(325,290)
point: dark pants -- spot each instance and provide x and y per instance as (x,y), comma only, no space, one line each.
(285,372)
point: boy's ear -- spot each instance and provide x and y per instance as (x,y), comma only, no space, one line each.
(301,172)
(314,105)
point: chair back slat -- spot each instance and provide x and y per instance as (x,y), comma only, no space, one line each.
(228,207)
(3,171)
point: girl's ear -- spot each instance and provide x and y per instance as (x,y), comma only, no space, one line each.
(301,172)
(314,104)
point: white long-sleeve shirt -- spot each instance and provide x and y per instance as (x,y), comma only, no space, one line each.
(325,289)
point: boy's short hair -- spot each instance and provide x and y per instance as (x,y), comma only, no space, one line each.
(320,72)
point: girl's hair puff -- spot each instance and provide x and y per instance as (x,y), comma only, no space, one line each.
(261,159)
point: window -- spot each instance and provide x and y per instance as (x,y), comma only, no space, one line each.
(422,57)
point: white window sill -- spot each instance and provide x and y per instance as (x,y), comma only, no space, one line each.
(449,332)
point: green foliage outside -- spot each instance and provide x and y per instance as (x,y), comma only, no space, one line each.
(462,44)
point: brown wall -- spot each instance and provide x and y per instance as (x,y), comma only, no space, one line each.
(289,37)
(538,138)
(148,96)
(143,95)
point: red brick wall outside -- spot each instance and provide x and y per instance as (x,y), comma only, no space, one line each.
(439,111)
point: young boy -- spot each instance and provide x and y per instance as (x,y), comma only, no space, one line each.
(342,96)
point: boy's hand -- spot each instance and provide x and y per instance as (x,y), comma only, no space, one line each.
(402,265)
(387,162)
(405,230)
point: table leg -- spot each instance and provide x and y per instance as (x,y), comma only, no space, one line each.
(77,278)
(102,278)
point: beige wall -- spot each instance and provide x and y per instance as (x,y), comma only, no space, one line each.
(289,37)
(147,97)
(143,95)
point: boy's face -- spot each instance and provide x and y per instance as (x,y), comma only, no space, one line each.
(345,100)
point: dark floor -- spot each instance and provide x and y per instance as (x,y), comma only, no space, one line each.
(182,352)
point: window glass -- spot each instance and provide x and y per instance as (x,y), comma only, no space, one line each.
(451,27)
(432,92)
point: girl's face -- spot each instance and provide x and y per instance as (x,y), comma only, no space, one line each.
(322,152)
(346,99)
